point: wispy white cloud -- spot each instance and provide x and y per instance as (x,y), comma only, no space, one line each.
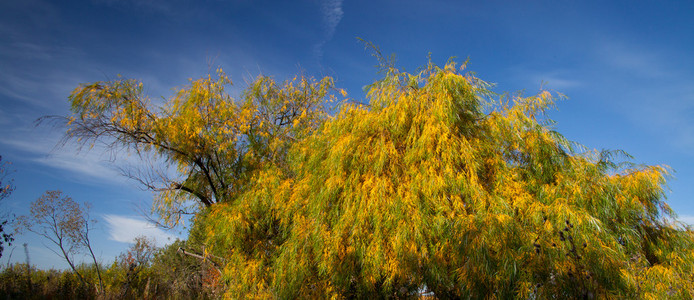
(36,74)
(88,167)
(39,92)
(637,60)
(688,219)
(5,118)
(670,114)
(40,147)
(332,15)
(31,50)
(555,81)
(125,229)
(558,80)
(655,89)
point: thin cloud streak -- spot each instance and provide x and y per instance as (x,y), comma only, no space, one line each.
(658,90)
(555,82)
(125,229)
(688,219)
(90,166)
(332,15)
(638,61)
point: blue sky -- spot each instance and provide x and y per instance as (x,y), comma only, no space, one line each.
(626,67)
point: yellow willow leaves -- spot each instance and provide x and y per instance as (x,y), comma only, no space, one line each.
(437,186)
(214,142)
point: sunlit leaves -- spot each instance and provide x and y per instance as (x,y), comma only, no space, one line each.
(214,142)
(438,185)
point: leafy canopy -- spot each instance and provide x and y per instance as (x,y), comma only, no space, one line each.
(214,142)
(436,185)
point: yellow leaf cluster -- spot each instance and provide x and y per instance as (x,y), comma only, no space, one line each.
(436,185)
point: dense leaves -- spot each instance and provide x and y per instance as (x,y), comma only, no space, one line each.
(437,185)
(214,142)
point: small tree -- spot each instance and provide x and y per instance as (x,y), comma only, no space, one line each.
(132,263)
(183,276)
(142,250)
(65,223)
(6,188)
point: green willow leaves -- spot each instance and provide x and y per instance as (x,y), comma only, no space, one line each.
(214,142)
(436,185)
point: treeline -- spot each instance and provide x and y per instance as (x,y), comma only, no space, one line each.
(143,272)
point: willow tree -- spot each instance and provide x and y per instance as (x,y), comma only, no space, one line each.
(439,186)
(202,145)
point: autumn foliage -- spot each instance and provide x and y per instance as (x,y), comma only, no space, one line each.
(212,141)
(436,186)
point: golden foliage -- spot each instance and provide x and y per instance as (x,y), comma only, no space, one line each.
(214,142)
(438,186)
